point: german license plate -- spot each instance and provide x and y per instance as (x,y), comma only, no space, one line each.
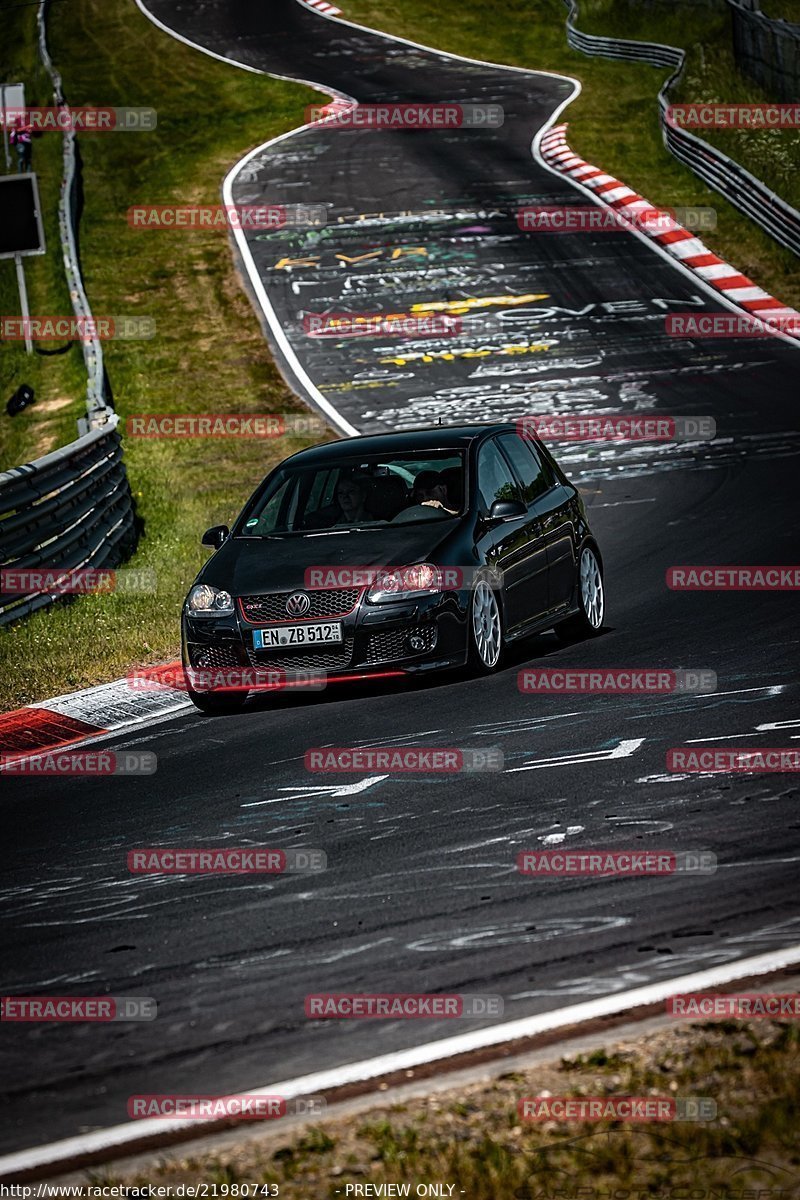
(317,634)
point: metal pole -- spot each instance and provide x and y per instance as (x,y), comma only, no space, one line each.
(23,302)
(5,130)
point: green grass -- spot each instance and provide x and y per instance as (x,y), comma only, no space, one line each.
(614,122)
(788,10)
(59,381)
(208,355)
(710,75)
(472,1138)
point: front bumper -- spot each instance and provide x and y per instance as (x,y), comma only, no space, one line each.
(407,635)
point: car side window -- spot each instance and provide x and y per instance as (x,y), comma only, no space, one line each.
(495,481)
(535,481)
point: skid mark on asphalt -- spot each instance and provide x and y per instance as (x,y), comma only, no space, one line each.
(636,974)
(516,933)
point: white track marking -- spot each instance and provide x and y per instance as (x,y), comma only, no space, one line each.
(115,1140)
(624,750)
(309,793)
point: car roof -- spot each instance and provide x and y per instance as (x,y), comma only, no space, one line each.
(431,437)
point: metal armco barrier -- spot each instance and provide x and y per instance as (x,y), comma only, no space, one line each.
(743,190)
(73,508)
(70,509)
(767,50)
(96,399)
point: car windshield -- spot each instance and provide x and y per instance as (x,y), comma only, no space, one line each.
(357,493)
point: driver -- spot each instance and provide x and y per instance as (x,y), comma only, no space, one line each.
(430,490)
(429,499)
(351,496)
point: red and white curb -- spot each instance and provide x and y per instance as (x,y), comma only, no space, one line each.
(672,237)
(322,6)
(65,720)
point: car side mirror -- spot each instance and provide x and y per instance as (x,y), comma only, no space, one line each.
(507,510)
(215,536)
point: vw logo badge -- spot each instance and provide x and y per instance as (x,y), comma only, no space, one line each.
(298,604)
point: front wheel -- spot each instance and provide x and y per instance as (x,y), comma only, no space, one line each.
(588,621)
(485,629)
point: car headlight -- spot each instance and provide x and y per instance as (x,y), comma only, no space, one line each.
(419,580)
(207,601)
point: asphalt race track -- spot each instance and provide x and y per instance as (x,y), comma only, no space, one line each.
(421,892)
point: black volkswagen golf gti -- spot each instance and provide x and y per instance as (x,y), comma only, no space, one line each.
(391,553)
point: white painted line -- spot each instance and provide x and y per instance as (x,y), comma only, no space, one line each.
(114,1140)
(624,750)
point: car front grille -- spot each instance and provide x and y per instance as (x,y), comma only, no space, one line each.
(325,602)
(212,658)
(390,644)
(334,659)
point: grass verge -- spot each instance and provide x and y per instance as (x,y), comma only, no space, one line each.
(59,380)
(614,122)
(474,1139)
(208,354)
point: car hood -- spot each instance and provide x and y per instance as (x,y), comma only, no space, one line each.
(246,566)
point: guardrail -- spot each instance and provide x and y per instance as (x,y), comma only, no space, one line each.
(97,400)
(69,510)
(767,49)
(752,197)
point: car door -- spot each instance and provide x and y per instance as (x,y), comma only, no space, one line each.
(515,547)
(551,502)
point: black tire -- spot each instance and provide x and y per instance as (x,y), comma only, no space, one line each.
(588,621)
(218,703)
(485,629)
